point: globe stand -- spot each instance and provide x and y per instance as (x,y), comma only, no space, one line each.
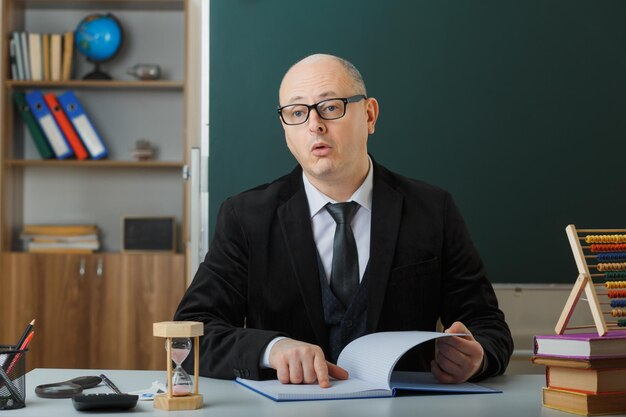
(97,73)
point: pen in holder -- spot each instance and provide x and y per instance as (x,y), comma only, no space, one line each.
(12,377)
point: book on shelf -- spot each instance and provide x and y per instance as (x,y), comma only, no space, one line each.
(44,117)
(583,403)
(12,58)
(581,345)
(60,238)
(369,361)
(34,48)
(55,56)
(42,56)
(60,229)
(25,55)
(66,127)
(45,56)
(19,59)
(591,381)
(68,55)
(41,143)
(88,245)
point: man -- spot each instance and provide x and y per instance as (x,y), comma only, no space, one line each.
(289,280)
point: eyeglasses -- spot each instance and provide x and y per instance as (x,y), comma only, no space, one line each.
(329,109)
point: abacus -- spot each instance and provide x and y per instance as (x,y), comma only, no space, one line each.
(604,253)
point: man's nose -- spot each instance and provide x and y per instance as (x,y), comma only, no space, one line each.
(316,123)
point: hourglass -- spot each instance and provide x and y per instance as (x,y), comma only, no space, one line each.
(178,336)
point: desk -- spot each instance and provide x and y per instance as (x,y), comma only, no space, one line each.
(521,397)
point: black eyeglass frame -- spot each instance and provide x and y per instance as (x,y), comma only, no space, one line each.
(352,99)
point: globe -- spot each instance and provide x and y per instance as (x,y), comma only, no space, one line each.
(99,39)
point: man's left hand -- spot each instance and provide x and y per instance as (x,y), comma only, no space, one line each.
(458,357)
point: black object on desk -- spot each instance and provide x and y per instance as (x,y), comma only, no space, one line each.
(105,401)
(67,389)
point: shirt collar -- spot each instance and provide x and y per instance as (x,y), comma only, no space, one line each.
(363,195)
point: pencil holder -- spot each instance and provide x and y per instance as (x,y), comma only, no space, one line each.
(12,377)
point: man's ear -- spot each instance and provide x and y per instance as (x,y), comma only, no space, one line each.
(372,114)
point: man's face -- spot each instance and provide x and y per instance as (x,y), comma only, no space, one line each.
(332,151)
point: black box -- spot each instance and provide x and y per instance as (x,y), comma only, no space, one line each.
(148,234)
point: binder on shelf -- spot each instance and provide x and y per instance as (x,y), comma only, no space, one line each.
(33,127)
(45,119)
(68,52)
(25,55)
(66,126)
(34,48)
(74,111)
(55,57)
(45,52)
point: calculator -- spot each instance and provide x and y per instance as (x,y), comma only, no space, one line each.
(104,401)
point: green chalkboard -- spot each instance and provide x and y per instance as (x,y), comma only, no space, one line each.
(516,107)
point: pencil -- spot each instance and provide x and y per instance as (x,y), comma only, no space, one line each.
(25,334)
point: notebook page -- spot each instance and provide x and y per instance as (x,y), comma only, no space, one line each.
(372,357)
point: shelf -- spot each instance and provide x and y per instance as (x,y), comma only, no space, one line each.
(104,4)
(94,164)
(77,84)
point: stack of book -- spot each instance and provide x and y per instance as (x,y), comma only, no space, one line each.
(585,373)
(41,56)
(59,125)
(60,238)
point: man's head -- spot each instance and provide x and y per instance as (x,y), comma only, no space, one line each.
(332,153)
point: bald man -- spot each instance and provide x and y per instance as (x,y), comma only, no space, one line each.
(339,248)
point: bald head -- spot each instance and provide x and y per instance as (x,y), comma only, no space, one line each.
(349,71)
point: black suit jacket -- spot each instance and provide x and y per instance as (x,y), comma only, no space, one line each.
(260,278)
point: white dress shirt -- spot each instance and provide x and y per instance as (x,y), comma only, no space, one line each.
(324,226)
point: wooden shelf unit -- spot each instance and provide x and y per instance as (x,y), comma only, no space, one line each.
(96,310)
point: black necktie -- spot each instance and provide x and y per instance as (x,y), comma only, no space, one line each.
(344,281)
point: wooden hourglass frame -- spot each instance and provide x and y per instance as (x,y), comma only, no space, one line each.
(175,329)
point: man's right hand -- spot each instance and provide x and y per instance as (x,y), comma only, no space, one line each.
(299,362)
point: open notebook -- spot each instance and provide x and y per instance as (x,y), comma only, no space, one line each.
(369,360)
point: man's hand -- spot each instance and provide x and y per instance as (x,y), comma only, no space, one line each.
(297,362)
(458,357)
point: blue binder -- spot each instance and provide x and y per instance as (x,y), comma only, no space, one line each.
(40,110)
(74,111)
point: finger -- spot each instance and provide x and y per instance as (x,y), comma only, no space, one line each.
(321,370)
(440,374)
(309,369)
(458,327)
(282,372)
(337,372)
(448,365)
(295,370)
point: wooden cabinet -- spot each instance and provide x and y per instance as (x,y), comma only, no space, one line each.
(92,311)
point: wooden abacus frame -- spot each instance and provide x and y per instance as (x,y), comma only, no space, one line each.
(584,282)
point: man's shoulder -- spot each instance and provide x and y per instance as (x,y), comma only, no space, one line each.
(274,192)
(411,187)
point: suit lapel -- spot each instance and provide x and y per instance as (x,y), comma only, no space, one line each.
(386,215)
(295,221)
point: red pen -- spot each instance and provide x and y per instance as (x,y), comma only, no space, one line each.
(19,355)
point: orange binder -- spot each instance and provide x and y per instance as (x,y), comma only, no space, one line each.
(66,126)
